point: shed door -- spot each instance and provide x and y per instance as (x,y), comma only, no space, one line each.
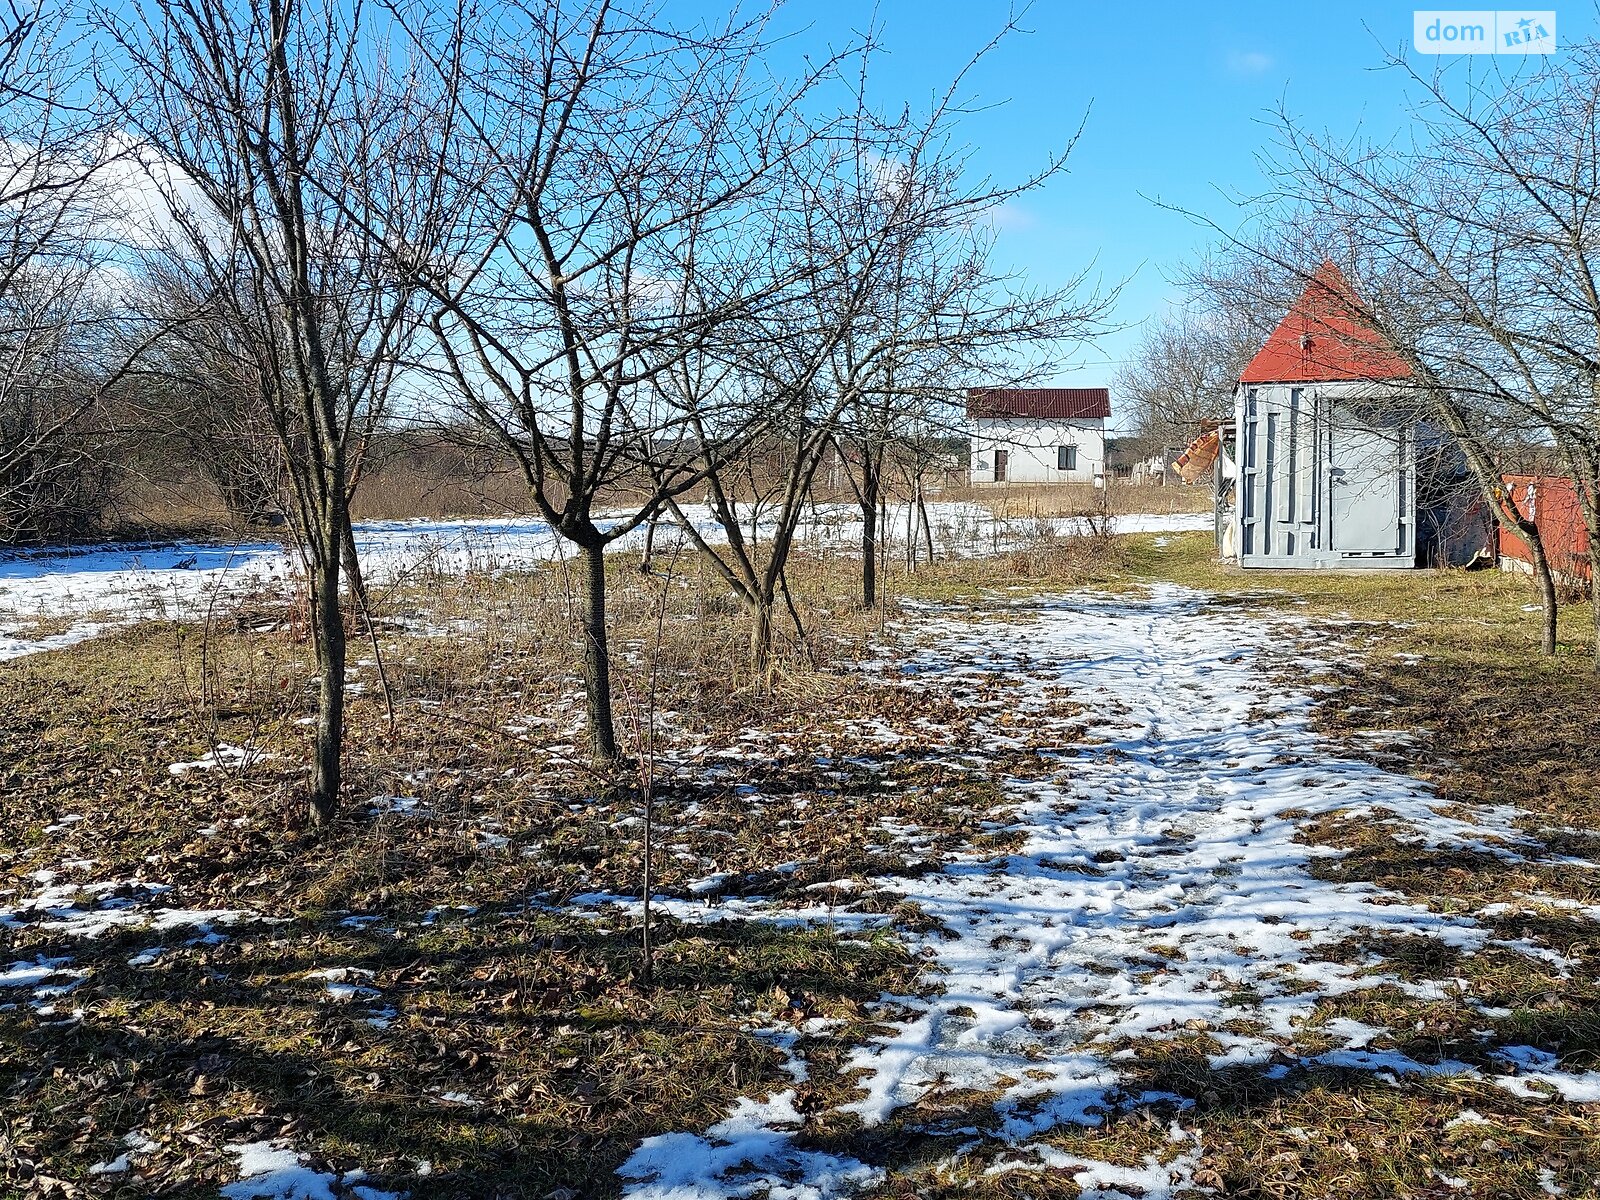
(1277,501)
(1364,485)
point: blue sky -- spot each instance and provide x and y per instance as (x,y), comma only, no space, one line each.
(1176,96)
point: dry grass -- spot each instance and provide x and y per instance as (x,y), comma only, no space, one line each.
(504,996)
(451,912)
(1018,501)
(181,506)
(401,491)
(422,488)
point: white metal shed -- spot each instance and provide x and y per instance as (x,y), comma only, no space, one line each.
(1326,458)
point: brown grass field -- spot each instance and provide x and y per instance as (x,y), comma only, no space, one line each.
(185,505)
(452,913)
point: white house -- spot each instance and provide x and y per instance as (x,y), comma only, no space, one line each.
(1038,435)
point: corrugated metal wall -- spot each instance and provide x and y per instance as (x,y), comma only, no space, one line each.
(1551,502)
(1323,481)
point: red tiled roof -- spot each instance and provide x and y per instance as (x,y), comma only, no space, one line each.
(1326,336)
(1050,404)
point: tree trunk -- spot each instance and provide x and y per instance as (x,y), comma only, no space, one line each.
(911,534)
(1546,580)
(869,532)
(885,534)
(1594,589)
(1504,505)
(328,627)
(761,635)
(794,615)
(648,560)
(359,597)
(352,568)
(597,656)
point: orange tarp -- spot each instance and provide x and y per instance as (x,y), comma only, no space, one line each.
(1198,456)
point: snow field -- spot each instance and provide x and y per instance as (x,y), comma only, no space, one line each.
(105,588)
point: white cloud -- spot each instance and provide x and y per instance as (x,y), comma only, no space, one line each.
(119,195)
(1249,62)
(1011,215)
(144,189)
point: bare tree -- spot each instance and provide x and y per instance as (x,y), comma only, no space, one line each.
(298,169)
(62,344)
(899,310)
(944,320)
(1181,375)
(620,170)
(199,397)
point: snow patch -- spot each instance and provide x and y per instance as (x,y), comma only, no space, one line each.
(272,1171)
(222,757)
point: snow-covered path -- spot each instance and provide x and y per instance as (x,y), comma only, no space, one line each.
(1160,893)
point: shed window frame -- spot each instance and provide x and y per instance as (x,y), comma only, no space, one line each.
(1066,458)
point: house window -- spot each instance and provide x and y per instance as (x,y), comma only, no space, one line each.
(1066,458)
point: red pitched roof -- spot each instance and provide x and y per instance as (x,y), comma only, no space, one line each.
(1326,336)
(1050,404)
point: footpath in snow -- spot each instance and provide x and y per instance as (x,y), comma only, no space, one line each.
(1160,882)
(78,594)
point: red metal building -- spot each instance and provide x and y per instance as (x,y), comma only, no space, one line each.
(1551,503)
